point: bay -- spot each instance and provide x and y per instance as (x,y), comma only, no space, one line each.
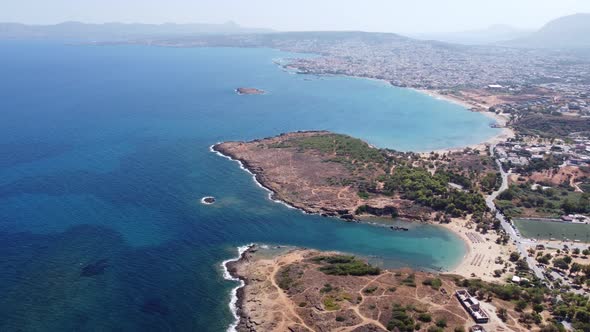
(104,157)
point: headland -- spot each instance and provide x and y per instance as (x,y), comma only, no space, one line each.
(338,175)
(290,289)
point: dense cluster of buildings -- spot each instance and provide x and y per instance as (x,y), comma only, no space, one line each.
(414,63)
(554,101)
(575,152)
(428,65)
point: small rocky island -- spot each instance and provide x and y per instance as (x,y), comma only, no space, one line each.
(208,200)
(338,175)
(249,91)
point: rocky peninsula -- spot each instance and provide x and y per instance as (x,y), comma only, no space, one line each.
(290,289)
(338,175)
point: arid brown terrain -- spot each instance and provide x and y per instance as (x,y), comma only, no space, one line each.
(307,290)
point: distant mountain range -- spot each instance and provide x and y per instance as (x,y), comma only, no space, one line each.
(117,31)
(490,35)
(568,32)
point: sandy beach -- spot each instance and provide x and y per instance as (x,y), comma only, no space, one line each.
(482,251)
(501,119)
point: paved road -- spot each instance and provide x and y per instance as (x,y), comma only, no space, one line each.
(515,237)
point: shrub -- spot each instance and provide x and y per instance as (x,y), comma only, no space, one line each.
(327,288)
(370,290)
(521,305)
(330,303)
(426,318)
(284,278)
(345,265)
(400,320)
(435,283)
(442,323)
(410,280)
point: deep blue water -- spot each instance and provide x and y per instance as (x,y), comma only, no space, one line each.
(104,158)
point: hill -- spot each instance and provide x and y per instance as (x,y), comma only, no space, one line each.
(117,31)
(492,34)
(568,32)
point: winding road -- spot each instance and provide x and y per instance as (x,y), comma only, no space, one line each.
(515,236)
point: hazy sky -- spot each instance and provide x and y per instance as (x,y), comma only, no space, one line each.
(369,15)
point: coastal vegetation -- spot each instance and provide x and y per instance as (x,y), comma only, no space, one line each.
(345,265)
(550,162)
(285,280)
(401,319)
(551,125)
(435,283)
(343,148)
(542,201)
(409,180)
(433,191)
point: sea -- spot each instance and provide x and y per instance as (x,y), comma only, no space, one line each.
(105,156)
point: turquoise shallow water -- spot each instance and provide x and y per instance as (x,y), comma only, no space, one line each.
(104,158)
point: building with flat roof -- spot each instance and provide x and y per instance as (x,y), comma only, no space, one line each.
(471,304)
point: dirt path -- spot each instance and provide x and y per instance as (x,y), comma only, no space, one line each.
(273,309)
(365,319)
(341,191)
(285,301)
(576,186)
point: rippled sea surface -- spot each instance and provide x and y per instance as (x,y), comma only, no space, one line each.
(104,159)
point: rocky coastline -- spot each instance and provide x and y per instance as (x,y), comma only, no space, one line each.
(350,209)
(293,289)
(260,180)
(231,268)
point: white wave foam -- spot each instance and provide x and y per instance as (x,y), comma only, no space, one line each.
(234,292)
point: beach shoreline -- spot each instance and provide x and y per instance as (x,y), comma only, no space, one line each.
(470,264)
(480,259)
(478,262)
(502,120)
